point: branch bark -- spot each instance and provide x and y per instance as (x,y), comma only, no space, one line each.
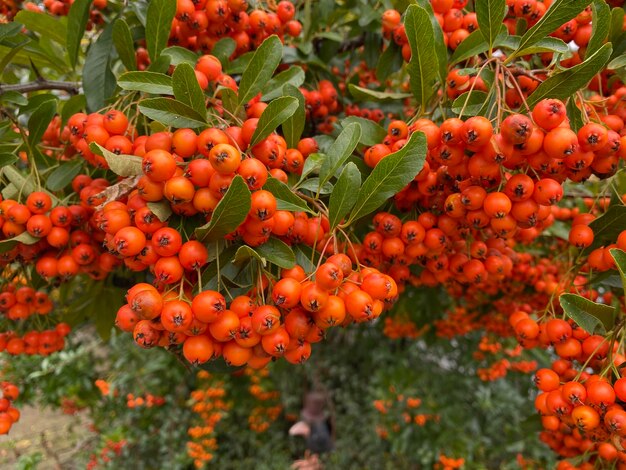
(70,87)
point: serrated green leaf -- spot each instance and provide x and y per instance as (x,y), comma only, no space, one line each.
(122,165)
(229,213)
(365,94)
(600,22)
(294,125)
(276,113)
(277,252)
(98,79)
(294,76)
(39,120)
(260,69)
(147,82)
(620,261)
(63,175)
(590,316)
(559,12)
(423,65)
(372,133)
(171,113)
(286,199)
(187,89)
(124,44)
(391,174)
(158,24)
(179,55)
(339,152)
(76,22)
(344,194)
(564,84)
(490,14)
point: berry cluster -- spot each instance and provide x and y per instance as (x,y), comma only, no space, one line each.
(9,415)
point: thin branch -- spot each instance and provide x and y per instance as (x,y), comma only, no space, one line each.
(42,84)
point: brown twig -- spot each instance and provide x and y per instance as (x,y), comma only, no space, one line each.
(42,84)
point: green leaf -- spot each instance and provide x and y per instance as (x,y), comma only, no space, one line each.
(574,115)
(314,185)
(490,14)
(124,44)
(273,89)
(277,252)
(122,165)
(601,22)
(158,24)
(171,113)
(148,82)
(391,174)
(607,227)
(339,151)
(294,125)
(179,55)
(470,103)
(471,46)
(561,11)
(223,49)
(423,65)
(229,213)
(441,50)
(187,90)
(162,209)
(312,163)
(365,94)
(543,45)
(617,63)
(39,120)
(75,104)
(244,254)
(46,25)
(98,80)
(277,112)
(617,35)
(229,99)
(372,133)
(286,199)
(13,97)
(7,159)
(260,69)
(564,84)
(8,30)
(620,261)
(344,195)
(24,238)
(590,316)
(389,61)
(63,175)
(76,22)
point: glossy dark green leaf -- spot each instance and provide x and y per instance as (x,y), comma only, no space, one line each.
(98,79)
(171,113)
(286,199)
(543,45)
(187,89)
(39,120)
(179,55)
(276,113)
(13,97)
(277,252)
(63,175)
(229,213)
(122,165)
(601,22)
(343,146)
(365,94)
(7,159)
(471,46)
(564,84)
(371,132)
(470,103)
(560,12)
(158,24)
(344,195)
(223,49)
(490,14)
(423,65)
(46,25)
(390,61)
(260,69)
(590,316)
(8,30)
(294,125)
(294,76)
(76,22)
(124,44)
(162,209)
(391,174)
(147,82)
(441,50)
(617,63)
(607,227)
(620,261)
(574,114)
